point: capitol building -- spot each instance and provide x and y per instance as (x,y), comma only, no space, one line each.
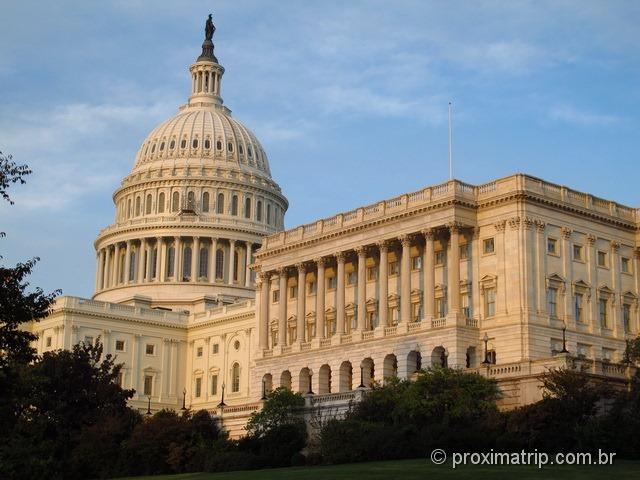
(210,303)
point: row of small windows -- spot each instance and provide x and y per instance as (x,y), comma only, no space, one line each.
(578,255)
(195,143)
(205,206)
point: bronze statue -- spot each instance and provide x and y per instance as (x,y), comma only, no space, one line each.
(209,29)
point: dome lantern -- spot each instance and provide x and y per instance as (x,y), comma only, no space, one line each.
(206,73)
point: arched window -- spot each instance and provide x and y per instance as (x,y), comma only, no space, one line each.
(147,205)
(171,261)
(240,150)
(194,143)
(259,211)
(247,208)
(220,264)
(234,205)
(162,146)
(183,143)
(191,201)
(207,144)
(230,146)
(235,267)
(175,202)
(186,264)
(137,206)
(161,203)
(132,266)
(205,202)
(172,145)
(235,377)
(154,262)
(204,262)
(249,151)
(128,213)
(268,213)
(219,145)
(220,206)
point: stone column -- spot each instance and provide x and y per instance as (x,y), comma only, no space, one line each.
(263,324)
(340,257)
(150,259)
(135,363)
(301,302)
(177,261)
(248,260)
(195,259)
(616,307)
(362,287)
(116,265)
(232,253)
(405,280)
(127,263)
(101,268)
(282,308)
(428,272)
(591,260)
(107,267)
(320,283)
(161,266)
(212,260)
(541,265)
(567,266)
(453,269)
(383,283)
(141,264)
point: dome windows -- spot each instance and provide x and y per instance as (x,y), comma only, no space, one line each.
(172,145)
(194,143)
(234,205)
(230,146)
(220,206)
(147,206)
(247,208)
(175,202)
(207,144)
(249,151)
(240,149)
(219,145)
(162,146)
(161,203)
(183,143)
(205,202)
(153,148)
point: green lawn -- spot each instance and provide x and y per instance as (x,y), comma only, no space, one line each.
(421,470)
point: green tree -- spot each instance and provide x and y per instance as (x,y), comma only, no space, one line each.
(282,407)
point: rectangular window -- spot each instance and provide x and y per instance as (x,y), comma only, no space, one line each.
(214,384)
(626,317)
(490,302)
(372,273)
(625,265)
(199,351)
(148,385)
(416,263)
(48,342)
(577,307)
(198,389)
(293,291)
(393,268)
(602,258)
(150,349)
(331,283)
(578,253)
(312,287)
(552,246)
(88,339)
(552,302)
(466,306)
(464,251)
(276,296)
(604,319)
(441,257)
(417,312)
(352,278)
(488,246)
(215,349)
(441,307)
(119,345)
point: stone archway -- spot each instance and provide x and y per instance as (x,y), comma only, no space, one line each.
(346,377)
(439,357)
(324,379)
(389,367)
(285,380)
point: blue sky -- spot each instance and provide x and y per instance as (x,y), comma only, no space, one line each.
(348,98)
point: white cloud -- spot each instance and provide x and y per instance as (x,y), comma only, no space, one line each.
(570,114)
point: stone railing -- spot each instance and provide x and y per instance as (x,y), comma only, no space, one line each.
(453,189)
(126,311)
(223,310)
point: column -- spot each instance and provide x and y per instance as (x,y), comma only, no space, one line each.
(567,273)
(116,265)
(195,259)
(282,308)
(616,314)
(362,287)
(135,361)
(232,254)
(320,284)
(340,293)
(300,302)
(161,249)
(141,263)
(98,269)
(428,272)
(177,260)
(383,283)
(591,259)
(212,260)
(263,324)
(127,263)
(541,265)
(151,258)
(248,260)
(405,280)
(453,270)
(107,267)
(101,267)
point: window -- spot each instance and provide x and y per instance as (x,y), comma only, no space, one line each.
(220,264)
(259,211)
(119,345)
(207,144)
(275,296)
(132,266)
(552,302)
(331,283)
(488,246)
(441,307)
(150,349)
(235,377)
(161,203)
(626,317)
(48,342)
(148,385)
(147,206)
(175,202)
(162,146)
(205,202)
(416,263)
(490,302)
(219,145)
(625,265)
(88,339)
(491,357)
(220,206)
(199,351)
(604,318)
(552,246)
(214,384)
(171,261)
(602,259)
(194,143)
(236,262)
(240,149)
(120,379)
(234,205)
(577,306)
(352,278)
(137,206)
(372,273)
(236,344)
(312,287)
(198,389)
(466,306)
(393,268)
(247,208)
(183,143)
(172,144)
(464,251)
(268,214)
(230,146)
(578,253)
(417,312)
(186,263)
(293,291)
(441,257)
(215,349)
(204,262)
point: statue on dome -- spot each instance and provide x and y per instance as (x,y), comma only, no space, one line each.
(209,28)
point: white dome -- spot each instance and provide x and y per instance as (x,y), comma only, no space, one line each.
(208,133)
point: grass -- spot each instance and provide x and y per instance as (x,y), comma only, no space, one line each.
(421,469)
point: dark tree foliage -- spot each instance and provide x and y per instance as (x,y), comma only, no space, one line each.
(11,173)
(282,407)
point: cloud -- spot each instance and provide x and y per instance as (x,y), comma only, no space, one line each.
(569,114)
